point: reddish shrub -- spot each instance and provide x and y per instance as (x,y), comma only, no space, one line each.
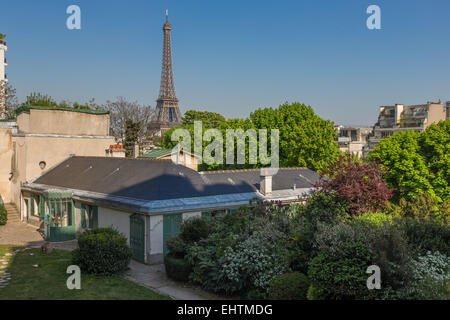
(359,183)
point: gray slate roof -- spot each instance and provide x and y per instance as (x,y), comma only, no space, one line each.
(152,180)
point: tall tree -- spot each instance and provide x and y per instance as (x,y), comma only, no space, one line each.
(8,96)
(209,119)
(122,110)
(417,162)
(306,140)
(132,130)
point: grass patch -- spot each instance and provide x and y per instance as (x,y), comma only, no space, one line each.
(48,281)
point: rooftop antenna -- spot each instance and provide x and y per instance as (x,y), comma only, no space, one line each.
(167,14)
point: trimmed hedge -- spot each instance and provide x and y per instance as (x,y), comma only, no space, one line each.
(289,286)
(102,251)
(3,215)
(177,268)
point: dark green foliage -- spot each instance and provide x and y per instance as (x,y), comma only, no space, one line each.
(423,207)
(131,136)
(177,268)
(325,208)
(176,246)
(289,286)
(426,235)
(319,208)
(208,119)
(194,229)
(315,293)
(344,275)
(102,251)
(3,215)
(347,249)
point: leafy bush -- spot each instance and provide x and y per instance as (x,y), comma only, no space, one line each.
(252,264)
(360,184)
(345,252)
(315,293)
(176,246)
(102,251)
(432,275)
(194,229)
(426,235)
(378,219)
(230,262)
(289,286)
(343,275)
(325,208)
(423,207)
(177,268)
(3,215)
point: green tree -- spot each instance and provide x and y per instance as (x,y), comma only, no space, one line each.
(209,119)
(306,140)
(417,162)
(435,148)
(131,136)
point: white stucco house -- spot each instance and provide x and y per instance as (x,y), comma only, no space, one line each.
(146,200)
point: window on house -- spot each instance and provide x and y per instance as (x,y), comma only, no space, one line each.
(60,212)
(89,216)
(354,135)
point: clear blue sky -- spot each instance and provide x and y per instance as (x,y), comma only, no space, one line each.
(235,56)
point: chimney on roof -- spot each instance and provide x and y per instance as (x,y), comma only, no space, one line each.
(135,150)
(265,185)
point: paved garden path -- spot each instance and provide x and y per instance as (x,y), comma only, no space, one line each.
(155,278)
(17,232)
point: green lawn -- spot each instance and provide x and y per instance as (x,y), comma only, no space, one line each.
(48,281)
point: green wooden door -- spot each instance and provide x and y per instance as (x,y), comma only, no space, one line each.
(171,227)
(137,237)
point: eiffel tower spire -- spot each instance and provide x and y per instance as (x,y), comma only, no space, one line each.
(168,114)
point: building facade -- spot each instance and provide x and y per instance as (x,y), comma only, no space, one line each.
(41,137)
(353,139)
(399,117)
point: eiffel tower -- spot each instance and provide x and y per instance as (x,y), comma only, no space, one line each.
(167,113)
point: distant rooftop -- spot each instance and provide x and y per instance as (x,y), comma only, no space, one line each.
(156,153)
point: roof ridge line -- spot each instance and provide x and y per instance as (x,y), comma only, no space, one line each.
(248,170)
